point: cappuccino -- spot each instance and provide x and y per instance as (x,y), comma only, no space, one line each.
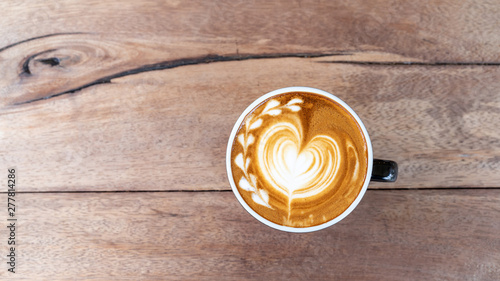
(299,159)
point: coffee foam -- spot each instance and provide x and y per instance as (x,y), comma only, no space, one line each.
(300,159)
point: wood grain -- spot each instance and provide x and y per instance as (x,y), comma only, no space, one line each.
(145,99)
(431,30)
(392,235)
(168,129)
(127,96)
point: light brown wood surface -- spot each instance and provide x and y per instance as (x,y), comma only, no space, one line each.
(392,235)
(103,100)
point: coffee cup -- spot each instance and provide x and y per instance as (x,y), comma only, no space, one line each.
(299,159)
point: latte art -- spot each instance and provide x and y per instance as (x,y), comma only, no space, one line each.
(299,159)
(296,172)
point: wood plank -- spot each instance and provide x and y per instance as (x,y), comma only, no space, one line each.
(168,129)
(392,235)
(431,30)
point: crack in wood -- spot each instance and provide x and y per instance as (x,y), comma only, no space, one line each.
(410,63)
(208,59)
(173,64)
(226,58)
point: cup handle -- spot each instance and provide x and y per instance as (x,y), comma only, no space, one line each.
(384,170)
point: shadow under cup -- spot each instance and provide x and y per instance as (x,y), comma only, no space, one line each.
(299,159)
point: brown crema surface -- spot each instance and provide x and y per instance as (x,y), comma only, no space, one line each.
(299,159)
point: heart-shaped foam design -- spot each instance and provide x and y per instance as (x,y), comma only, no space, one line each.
(294,169)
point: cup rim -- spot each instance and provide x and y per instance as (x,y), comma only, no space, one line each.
(289,228)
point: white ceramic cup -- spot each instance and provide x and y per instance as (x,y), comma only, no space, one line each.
(368,171)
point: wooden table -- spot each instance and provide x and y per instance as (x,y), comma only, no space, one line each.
(116,115)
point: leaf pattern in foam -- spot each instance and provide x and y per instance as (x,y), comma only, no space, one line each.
(250,140)
(259,200)
(271,104)
(256,124)
(294,108)
(241,139)
(295,101)
(248,121)
(238,160)
(274,112)
(245,185)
